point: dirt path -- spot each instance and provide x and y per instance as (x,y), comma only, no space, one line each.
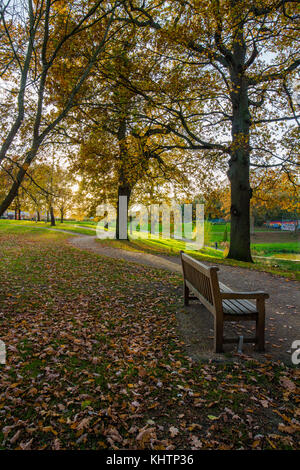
(282,319)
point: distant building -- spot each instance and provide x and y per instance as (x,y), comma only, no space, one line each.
(285,225)
(217,221)
(8,215)
(24,215)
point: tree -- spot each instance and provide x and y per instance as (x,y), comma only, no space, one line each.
(36,184)
(118,149)
(275,194)
(32,193)
(35,38)
(61,186)
(241,57)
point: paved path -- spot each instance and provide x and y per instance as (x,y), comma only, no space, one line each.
(283,316)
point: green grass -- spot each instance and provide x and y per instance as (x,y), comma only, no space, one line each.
(24,225)
(28,228)
(94,354)
(81,222)
(285,268)
(75,228)
(270,249)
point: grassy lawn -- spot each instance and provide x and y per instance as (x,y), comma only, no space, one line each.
(83,223)
(288,251)
(286,268)
(74,228)
(21,225)
(274,249)
(95,361)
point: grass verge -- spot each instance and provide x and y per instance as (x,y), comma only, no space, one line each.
(161,247)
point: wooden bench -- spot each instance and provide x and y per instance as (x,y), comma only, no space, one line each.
(222,302)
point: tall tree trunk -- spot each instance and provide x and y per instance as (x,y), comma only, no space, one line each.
(19,213)
(239,163)
(123,190)
(12,192)
(38,215)
(16,214)
(239,211)
(52,217)
(61,215)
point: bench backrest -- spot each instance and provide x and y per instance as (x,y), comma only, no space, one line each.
(202,281)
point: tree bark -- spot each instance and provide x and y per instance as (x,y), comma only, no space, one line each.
(239,211)
(239,163)
(38,216)
(52,217)
(13,191)
(61,215)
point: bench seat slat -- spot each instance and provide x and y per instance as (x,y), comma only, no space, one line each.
(237,307)
(244,302)
(231,307)
(247,305)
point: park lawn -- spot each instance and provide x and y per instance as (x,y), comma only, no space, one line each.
(75,228)
(23,225)
(171,247)
(273,249)
(160,246)
(95,361)
(20,227)
(84,223)
(283,267)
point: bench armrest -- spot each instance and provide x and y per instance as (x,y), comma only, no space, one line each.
(244,295)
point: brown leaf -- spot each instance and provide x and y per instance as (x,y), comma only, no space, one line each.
(173,431)
(15,437)
(56,444)
(84,423)
(26,445)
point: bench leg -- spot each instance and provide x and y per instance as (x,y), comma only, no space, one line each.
(219,325)
(186,294)
(260,325)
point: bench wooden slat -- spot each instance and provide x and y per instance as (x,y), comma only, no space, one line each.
(246,305)
(227,290)
(199,296)
(231,307)
(235,306)
(199,281)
